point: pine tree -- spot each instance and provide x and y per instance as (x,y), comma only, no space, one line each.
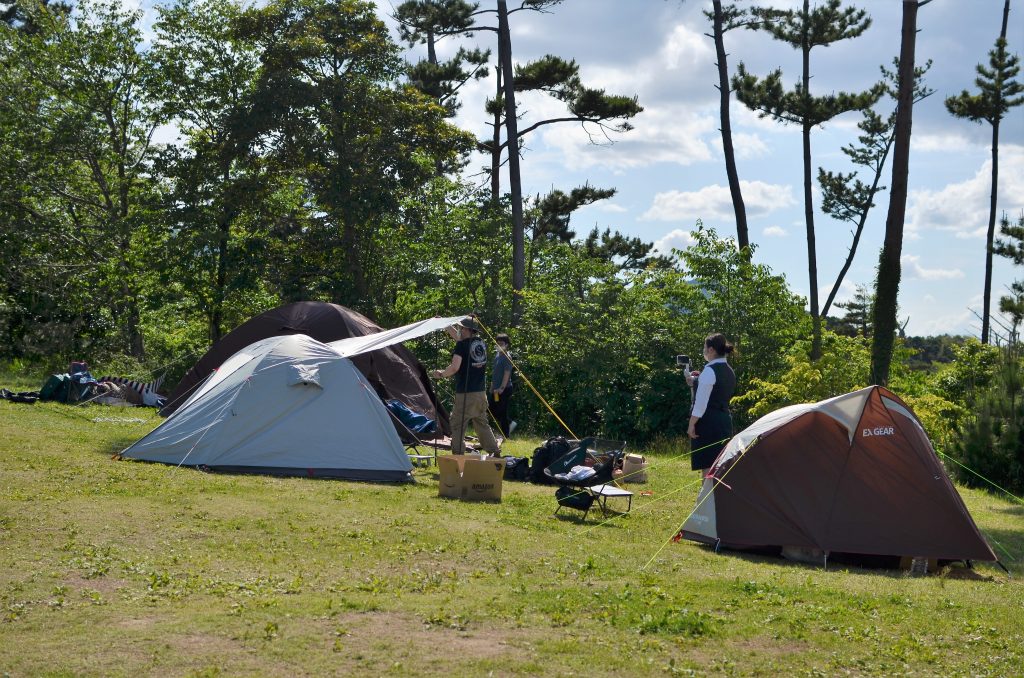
(998,93)
(725,19)
(805,29)
(847,198)
(857,319)
(1012,305)
(426,22)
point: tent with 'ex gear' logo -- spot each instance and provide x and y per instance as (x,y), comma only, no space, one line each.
(854,475)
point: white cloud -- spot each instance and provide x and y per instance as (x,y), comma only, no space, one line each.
(931,323)
(912,265)
(668,134)
(774,232)
(686,49)
(715,201)
(677,239)
(609,207)
(962,208)
(746,146)
(943,143)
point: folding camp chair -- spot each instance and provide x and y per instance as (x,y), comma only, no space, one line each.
(580,494)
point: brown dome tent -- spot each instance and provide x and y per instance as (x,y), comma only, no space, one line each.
(852,478)
(393,371)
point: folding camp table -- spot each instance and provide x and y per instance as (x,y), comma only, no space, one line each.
(602,493)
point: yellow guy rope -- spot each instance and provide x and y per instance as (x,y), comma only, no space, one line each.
(530,384)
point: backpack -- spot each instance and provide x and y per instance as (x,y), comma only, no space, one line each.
(543,456)
(517,468)
(57,387)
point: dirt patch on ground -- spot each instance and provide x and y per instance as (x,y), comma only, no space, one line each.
(137,624)
(769,646)
(423,645)
(107,586)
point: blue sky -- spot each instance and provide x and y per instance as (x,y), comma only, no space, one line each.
(669,171)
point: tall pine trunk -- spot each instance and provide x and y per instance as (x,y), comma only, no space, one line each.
(812,258)
(742,237)
(990,236)
(889,271)
(514,179)
(496,142)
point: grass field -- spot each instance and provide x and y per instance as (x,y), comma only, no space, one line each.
(120,568)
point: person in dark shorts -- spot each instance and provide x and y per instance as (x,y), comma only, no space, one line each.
(502,385)
(710,420)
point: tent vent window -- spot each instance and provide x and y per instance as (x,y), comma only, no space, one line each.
(305,375)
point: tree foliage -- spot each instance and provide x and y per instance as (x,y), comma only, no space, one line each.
(78,126)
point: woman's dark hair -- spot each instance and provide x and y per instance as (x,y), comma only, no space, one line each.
(501,336)
(719,343)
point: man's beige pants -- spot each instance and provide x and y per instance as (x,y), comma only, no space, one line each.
(471,408)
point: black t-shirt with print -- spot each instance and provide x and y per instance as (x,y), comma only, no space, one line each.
(471,374)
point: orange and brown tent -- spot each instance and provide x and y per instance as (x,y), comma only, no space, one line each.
(852,475)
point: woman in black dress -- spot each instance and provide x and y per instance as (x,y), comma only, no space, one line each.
(710,421)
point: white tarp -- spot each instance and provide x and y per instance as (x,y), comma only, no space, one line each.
(371,342)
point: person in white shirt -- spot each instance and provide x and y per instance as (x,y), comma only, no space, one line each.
(710,420)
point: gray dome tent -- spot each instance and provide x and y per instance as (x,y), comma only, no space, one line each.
(393,371)
(287,405)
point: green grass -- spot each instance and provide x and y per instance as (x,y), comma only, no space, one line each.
(120,568)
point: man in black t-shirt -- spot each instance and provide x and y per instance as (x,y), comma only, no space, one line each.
(469,366)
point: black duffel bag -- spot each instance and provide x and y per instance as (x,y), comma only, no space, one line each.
(517,468)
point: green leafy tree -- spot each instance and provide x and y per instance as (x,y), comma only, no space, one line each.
(751,305)
(330,110)
(15,14)
(207,75)
(804,30)
(998,93)
(81,113)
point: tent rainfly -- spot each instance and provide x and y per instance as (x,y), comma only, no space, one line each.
(286,405)
(852,475)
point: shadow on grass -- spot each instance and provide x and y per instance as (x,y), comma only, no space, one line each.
(956,570)
(1012,509)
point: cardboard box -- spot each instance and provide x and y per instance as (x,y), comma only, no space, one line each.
(470,477)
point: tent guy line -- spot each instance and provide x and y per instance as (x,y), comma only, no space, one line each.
(679,530)
(1018,499)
